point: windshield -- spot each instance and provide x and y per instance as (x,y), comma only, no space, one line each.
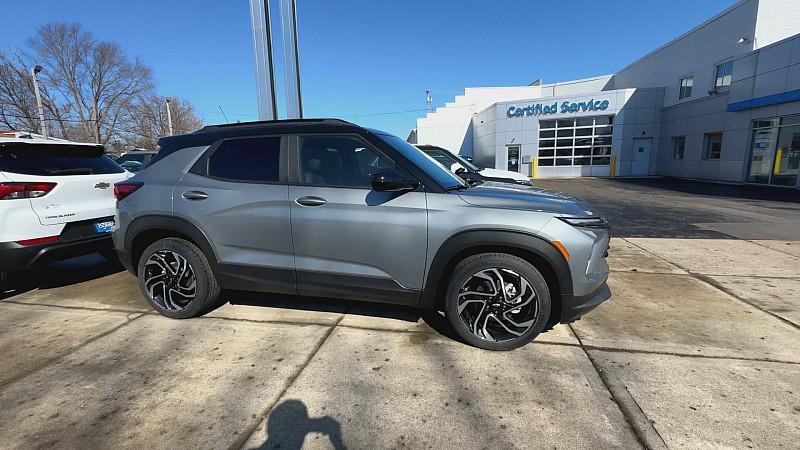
(442,176)
(447,159)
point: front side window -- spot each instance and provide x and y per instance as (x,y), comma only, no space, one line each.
(713,146)
(255,160)
(686,85)
(724,75)
(423,161)
(339,161)
(678,147)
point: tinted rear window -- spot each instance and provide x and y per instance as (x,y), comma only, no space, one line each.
(248,159)
(56,160)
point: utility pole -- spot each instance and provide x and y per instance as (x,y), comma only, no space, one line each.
(291,59)
(429,99)
(42,123)
(169,117)
(262,46)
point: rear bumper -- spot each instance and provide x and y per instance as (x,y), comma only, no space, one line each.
(573,307)
(15,257)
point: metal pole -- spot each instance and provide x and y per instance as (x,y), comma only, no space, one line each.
(169,117)
(291,59)
(262,46)
(42,122)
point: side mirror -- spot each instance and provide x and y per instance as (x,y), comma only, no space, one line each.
(391,180)
(460,171)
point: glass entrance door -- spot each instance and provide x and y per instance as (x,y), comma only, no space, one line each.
(762,153)
(513,158)
(787,156)
(775,152)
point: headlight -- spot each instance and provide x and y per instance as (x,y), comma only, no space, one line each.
(590,222)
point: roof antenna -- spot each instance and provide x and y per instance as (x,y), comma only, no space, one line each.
(223,114)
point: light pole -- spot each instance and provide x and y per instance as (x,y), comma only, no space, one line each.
(42,123)
(169,116)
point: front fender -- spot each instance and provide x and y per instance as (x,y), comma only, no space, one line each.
(465,243)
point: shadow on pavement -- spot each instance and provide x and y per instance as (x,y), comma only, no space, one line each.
(739,191)
(59,274)
(288,425)
(433,319)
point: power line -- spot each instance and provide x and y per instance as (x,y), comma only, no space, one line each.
(115,128)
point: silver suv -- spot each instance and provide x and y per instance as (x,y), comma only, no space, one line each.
(326,208)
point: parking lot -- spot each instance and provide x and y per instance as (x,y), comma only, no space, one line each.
(699,347)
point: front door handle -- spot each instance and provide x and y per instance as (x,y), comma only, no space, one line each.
(311,201)
(195,195)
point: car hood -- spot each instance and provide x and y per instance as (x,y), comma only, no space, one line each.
(529,198)
(497,173)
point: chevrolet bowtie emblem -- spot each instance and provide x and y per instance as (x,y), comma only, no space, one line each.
(102,185)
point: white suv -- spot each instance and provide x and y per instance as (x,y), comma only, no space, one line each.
(56,201)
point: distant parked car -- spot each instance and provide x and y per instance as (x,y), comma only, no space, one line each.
(132,166)
(56,201)
(136,160)
(469,171)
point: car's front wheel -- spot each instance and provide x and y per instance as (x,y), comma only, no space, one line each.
(175,277)
(497,301)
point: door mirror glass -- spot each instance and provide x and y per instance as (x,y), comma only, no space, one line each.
(391,180)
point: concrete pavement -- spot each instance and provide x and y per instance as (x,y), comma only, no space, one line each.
(672,360)
(699,348)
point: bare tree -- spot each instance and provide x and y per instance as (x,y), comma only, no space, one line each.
(148,119)
(95,79)
(17,101)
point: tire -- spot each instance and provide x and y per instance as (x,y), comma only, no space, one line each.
(491,319)
(178,262)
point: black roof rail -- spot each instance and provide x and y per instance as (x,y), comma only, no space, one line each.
(258,123)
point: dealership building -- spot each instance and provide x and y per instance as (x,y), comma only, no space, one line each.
(720,102)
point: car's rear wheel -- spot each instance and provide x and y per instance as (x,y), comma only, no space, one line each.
(497,301)
(175,277)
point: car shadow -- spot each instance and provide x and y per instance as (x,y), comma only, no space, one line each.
(289,423)
(59,274)
(435,320)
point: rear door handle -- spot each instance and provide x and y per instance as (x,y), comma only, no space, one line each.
(311,201)
(195,195)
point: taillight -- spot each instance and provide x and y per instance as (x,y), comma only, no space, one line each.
(13,191)
(126,188)
(37,241)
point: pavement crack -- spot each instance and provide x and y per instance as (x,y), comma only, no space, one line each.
(640,424)
(44,364)
(716,285)
(756,241)
(244,437)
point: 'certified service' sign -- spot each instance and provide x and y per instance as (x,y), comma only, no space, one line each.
(540,109)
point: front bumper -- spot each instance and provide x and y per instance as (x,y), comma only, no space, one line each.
(15,257)
(573,307)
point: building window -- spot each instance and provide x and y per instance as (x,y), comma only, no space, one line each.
(582,141)
(686,87)
(678,147)
(713,145)
(724,74)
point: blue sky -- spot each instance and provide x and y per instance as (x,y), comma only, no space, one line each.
(362,59)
